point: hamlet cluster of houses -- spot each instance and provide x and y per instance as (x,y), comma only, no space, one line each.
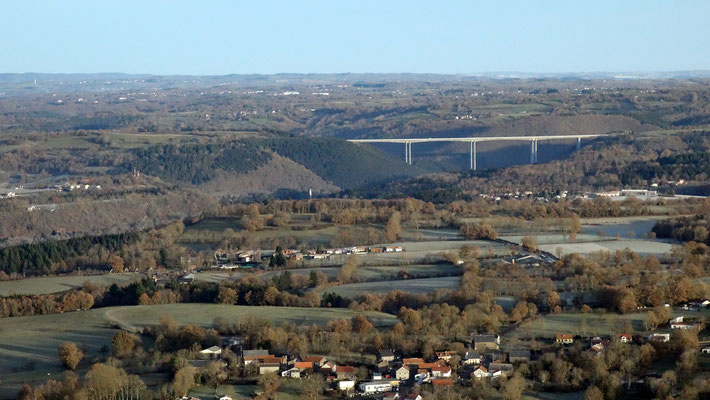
(484,359)
(229,259)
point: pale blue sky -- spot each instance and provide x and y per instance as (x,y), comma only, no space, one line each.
(261,36)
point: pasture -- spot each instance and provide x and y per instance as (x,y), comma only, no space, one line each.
(55,284)
(591,324)
(414,286)
(363,272)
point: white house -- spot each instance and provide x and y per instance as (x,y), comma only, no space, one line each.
(291,373)
(441,372)
(705,350)
(346,385)
(472,358)
(375,387)
(481,372)
(660,337)
(402,373)
(212,352)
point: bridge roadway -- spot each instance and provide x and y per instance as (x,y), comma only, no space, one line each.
(473,140)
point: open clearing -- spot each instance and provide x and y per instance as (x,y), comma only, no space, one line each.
(363,272)
(640,247)
(56,284)
(586,244)
(593,324)
(414,286)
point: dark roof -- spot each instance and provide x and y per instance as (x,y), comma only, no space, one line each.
(256,352)
(472,354)
(484,338)
(385,353)
(520,353)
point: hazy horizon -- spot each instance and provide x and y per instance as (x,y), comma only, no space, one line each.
(222,37)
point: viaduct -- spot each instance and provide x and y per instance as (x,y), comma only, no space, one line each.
(473,140)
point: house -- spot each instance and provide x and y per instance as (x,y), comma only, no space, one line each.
(429,366)
(625,338)
(375,387)
(686,326)
(445,355)
(303,365)
(564,339)
(486,342)
(422,376)
(597,348)
(345,373)
(500,366)
(660,337)
(328,368)
(264,360)
(413,361)
(392,249)
(255,352)
(385,355)
(472,358)
(376,376)
(212,352)
(413,396)
(233,342)
(700,303)
(382,365)
(705,350)
(480,372)
(498,374)
(225,398)
(519,355)
(269,368)
(292,373)
(317,361)
(346,385)
(187,278)
(402,373)
(441,372)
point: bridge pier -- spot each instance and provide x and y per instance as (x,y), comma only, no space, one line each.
(408,152)
(579,142)
(533,151)
(473,156)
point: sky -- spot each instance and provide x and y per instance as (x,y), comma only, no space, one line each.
(386,36)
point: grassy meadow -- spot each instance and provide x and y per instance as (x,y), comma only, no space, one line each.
(55,284)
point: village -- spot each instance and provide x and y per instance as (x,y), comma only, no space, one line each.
(393,375)
(227,259)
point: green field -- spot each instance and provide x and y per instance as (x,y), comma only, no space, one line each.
(414,286)
(56,284)
(363,272)
(591,324)
(288,389)
(137,317)
(28,345)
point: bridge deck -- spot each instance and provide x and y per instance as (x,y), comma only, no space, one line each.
(476,139)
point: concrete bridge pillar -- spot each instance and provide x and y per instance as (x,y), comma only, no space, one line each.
(579,142)
(473,156)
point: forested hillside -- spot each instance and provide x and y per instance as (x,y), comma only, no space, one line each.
(341,163)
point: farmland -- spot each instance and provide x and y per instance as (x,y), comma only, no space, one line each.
(368,273)
(55,284)
(426,285)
